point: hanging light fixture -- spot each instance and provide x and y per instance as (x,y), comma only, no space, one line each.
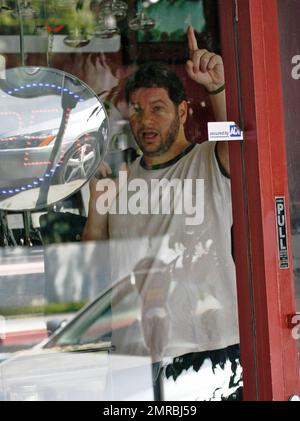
(79,28)
(118,8)
(141,22)
(107,26)
(109,13)
(76,39)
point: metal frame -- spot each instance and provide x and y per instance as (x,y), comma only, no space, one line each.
(249,33)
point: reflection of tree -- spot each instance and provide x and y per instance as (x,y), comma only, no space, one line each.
(193,302)
(152,280)
(60,227)
(76,271)
(8,24)
(55,15)
(65,15)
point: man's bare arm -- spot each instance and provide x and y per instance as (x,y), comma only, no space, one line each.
(207,69)
(218,103)
(96,227)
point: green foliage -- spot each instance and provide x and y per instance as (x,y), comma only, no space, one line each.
(155,35)
(8,23)
(47,309)
(51,13)
(84,21)
(178,35)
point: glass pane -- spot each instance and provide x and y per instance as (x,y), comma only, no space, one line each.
(290,62)
(11,48)
(54,130)
(157,268)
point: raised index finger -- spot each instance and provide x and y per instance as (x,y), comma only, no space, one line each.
(193,46)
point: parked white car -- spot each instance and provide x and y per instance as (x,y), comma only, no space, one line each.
(109,352)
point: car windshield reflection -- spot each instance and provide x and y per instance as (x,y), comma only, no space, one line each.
(95,324)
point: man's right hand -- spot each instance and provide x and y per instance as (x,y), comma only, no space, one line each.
(204,67)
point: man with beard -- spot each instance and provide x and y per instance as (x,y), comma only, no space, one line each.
(197,306)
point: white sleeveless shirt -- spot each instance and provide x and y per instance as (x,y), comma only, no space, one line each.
(197,286)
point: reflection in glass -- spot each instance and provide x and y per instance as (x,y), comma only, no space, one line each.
(108,13)
(107,25)
(26,10)
(141,22)
(4,5)
(53,133)
(118,8)
(75,39)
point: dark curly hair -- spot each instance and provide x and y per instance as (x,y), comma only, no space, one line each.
(158,75)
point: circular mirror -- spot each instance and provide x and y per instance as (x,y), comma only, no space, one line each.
(53,135)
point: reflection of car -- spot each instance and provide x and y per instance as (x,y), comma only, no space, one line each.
(3,357)
(77,362)
(102,354)
(78,159)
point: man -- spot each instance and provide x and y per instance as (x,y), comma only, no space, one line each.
(174,207)
(206,69)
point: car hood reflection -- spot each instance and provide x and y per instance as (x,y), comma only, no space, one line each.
(76,374)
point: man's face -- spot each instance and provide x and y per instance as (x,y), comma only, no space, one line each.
(154,120)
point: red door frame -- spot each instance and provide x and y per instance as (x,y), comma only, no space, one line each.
(259,174)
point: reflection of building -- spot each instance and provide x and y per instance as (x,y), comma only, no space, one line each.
(22,279)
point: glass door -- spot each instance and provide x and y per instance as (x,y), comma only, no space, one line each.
(289,36)
(261,199)
(175,292)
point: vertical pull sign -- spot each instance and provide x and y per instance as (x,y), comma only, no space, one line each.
(283,254)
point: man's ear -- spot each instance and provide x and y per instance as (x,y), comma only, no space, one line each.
(182,111)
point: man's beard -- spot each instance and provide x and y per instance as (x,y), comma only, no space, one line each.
(170,139)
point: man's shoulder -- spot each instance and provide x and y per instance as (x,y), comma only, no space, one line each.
(205,145)
(204,150)
(208,152)
(134,166)
(205,155)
